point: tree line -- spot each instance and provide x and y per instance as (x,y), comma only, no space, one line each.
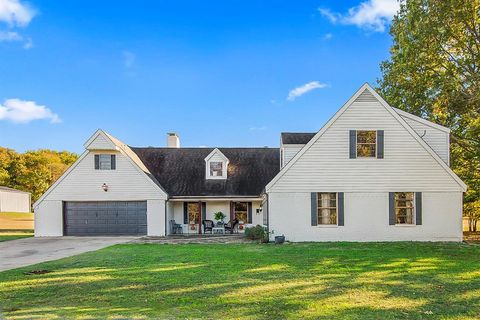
(33,171)
(434,72)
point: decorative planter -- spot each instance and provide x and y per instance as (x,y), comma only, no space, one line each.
(279,239)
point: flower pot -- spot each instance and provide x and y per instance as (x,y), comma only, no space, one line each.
(279,239)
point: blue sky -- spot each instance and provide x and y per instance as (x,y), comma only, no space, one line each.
(219,73)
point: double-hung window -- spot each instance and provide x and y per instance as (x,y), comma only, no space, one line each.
(105,162)
(366,143)
(404,208)
(327,208)
(216,169)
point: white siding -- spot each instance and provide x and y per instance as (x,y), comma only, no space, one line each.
(366,218)
(438,140)
(101,142)
(289,151)
(49,219)
(11,201)
(156,217)
(326,166)
(84,183)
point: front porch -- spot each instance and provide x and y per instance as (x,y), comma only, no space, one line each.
(199,216)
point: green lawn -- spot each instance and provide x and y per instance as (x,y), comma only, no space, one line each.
(13,236)
(316,281)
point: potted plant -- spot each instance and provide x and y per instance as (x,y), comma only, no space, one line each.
(219,216)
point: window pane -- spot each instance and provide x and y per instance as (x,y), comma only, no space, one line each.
(105,162)
(404,208)
(366,136)
(366,150)
(216,169)
(193,209)
(241,211)
(327,208)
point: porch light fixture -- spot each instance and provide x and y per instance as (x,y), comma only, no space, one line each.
(105,187)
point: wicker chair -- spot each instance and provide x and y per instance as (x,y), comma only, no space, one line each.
(208,225)
(232,226)
(175,228)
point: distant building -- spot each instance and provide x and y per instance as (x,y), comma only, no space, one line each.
(12,200)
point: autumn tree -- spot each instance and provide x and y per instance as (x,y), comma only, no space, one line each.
(33,171)
(434,72)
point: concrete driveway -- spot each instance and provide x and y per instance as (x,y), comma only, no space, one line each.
(24,252)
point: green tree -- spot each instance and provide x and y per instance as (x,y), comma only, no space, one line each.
(33,171)
(434,72)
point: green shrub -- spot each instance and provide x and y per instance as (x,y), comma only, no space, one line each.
(257,233)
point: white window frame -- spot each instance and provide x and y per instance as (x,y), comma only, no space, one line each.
(414,216)
(210,158)
(210,168)
(336,211)
(356,144)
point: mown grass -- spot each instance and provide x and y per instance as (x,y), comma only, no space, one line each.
(215,281)
(7,236)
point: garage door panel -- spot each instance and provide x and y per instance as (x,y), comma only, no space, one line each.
(105,218)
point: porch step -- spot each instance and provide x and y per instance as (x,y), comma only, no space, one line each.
(236,238)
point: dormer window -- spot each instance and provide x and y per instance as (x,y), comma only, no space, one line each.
(216,165)
(216,169)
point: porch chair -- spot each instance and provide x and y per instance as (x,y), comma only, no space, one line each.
(231,226)
(208,225)
(175,228)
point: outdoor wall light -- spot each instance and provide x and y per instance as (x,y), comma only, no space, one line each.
(105,187)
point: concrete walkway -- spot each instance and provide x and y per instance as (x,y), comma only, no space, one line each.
(28,251)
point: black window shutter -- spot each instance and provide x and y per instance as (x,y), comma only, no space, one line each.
(97,162)
(391,208)
(249,215)
(341,209)
(353,144)
(314,211)
(204,211)
(113,164)
(185,212)
(418,208)
(380,143)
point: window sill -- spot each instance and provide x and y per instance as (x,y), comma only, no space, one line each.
(405,225)
(327,226)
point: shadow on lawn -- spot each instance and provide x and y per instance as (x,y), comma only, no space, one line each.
(387,281)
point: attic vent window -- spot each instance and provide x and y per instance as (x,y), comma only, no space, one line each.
(216,169)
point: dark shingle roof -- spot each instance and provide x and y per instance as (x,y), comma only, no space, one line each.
(297,137)
(181,171)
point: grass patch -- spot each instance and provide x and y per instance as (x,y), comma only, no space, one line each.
(7,236)
(252,281)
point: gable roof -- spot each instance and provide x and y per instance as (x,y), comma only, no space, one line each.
(116,145)
(367,88)
(216,152)
(181,171)
(296,137)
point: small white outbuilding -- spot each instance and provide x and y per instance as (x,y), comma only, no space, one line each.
(12,200)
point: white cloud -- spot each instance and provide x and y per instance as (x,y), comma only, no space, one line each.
(28,44)
(307,87)
(371,14)
(327,36)
(21,111)
(15,13)
(128,59)
(10,36)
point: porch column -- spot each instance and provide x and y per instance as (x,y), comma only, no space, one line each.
(199,217)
